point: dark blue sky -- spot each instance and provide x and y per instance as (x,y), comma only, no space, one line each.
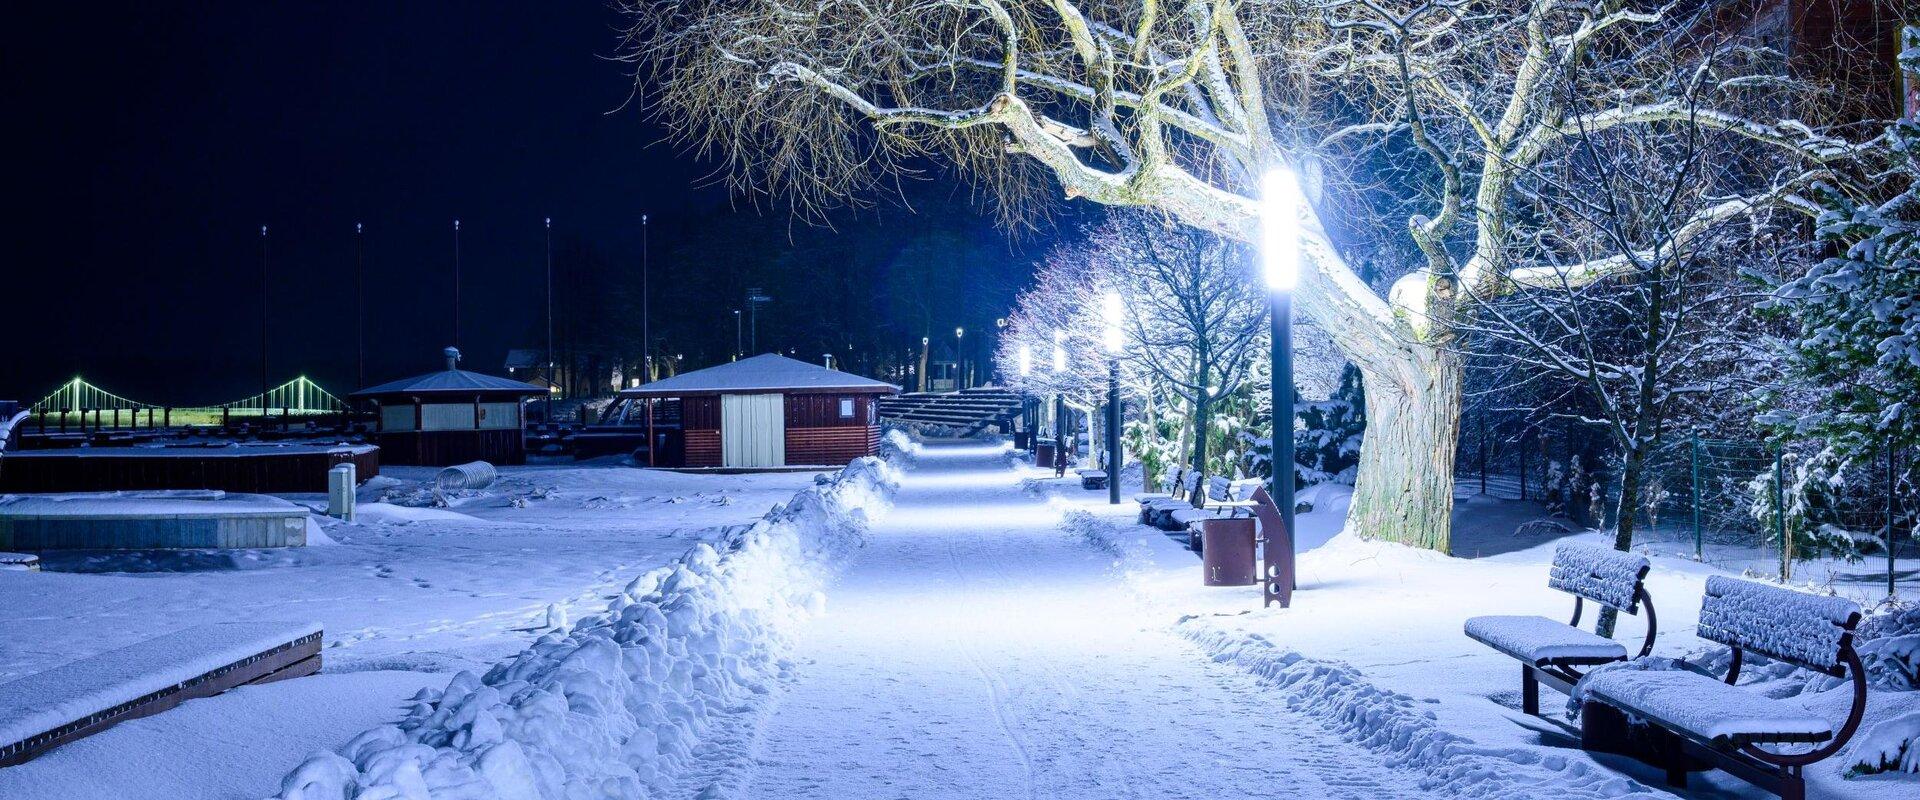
(151,142)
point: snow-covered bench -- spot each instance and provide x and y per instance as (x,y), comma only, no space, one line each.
(1092,478)
(1553,652)
(1170,487)
(1158,511)
(1694,721)
(44,710)
(1223,493)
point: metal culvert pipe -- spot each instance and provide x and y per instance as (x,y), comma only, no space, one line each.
(463,477)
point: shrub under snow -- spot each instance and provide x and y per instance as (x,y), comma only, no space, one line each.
(615,706)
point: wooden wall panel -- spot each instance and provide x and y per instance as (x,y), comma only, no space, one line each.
(830,446)
(703,448)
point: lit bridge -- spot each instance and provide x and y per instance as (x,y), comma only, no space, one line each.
(297,397)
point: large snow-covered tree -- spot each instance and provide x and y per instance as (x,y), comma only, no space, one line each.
(1428,109)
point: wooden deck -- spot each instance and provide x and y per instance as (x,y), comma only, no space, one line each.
(45,710)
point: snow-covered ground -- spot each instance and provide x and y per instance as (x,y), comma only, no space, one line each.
(407,595)
(998,633)
(1373,641)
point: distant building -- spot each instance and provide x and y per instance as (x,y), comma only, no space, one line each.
(765,411)
(450,417)
(1852,44)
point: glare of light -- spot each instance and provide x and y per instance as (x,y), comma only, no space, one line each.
(1112,312)
(1026,360)
(1059,354)
(959,332)
(1280,206)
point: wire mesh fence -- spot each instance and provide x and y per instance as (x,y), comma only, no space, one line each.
(1710,499)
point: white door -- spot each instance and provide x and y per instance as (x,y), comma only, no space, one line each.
(753,430)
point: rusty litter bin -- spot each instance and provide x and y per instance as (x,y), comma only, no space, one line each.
(1226,552)
(1043,453)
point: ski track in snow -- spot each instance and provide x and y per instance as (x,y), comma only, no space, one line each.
(974,650)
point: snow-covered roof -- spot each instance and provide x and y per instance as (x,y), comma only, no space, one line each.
(760,373)
(451,381)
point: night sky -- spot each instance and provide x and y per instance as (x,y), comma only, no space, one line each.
(153,140)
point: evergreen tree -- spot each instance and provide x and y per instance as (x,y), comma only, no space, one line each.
(1859,312)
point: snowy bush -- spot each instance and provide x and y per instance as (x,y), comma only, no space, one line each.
(615,706)
(1890,746)
(1889,647)
(1810,499)
(1327,445)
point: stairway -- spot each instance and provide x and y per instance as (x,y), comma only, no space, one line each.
(968,410)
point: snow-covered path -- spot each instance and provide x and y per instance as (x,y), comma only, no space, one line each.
(974,650)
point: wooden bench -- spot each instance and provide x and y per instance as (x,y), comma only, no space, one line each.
(45,710)
(1158,510)
(1092,478)
(1170,487)
(1553,652)
(1226,494)
(1695,721)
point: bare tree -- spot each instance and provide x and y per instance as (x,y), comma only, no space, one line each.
(1182,107)
(1194,315)
(1639,347)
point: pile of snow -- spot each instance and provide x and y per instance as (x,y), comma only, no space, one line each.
(615,706)
(899,447)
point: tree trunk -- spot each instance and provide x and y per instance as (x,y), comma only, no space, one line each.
(1202,410)
(1623,522)
(1404,490)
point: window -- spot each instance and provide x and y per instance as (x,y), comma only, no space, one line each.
(846,408)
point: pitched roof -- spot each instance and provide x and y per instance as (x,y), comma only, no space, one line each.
(451,381)
(760,373)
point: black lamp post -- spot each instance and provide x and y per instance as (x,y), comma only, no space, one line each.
(1280,253)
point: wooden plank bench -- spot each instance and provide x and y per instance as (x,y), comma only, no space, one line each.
(44,710)
(1695,721)
(1553,652)
(1158,510)
(1226,494)
(1092,478)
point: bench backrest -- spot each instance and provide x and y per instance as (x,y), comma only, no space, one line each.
(1608,577)
(1802,629)
(1219,488)
(1172,480)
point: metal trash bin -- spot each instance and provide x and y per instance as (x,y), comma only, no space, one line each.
(1227,552)
(1043,453)
(1023,440)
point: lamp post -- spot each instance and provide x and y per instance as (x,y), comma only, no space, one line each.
(1280,261)
(737,341)
(1059,408)
(1111,310)
(959,360)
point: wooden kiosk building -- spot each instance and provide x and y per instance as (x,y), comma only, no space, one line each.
(762,412)
(450,417)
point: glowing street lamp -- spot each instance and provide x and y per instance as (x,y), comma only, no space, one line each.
(959,359)
(1112,313)
(1281,204)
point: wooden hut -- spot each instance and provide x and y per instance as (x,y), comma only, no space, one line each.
(761,412)
(450,417)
